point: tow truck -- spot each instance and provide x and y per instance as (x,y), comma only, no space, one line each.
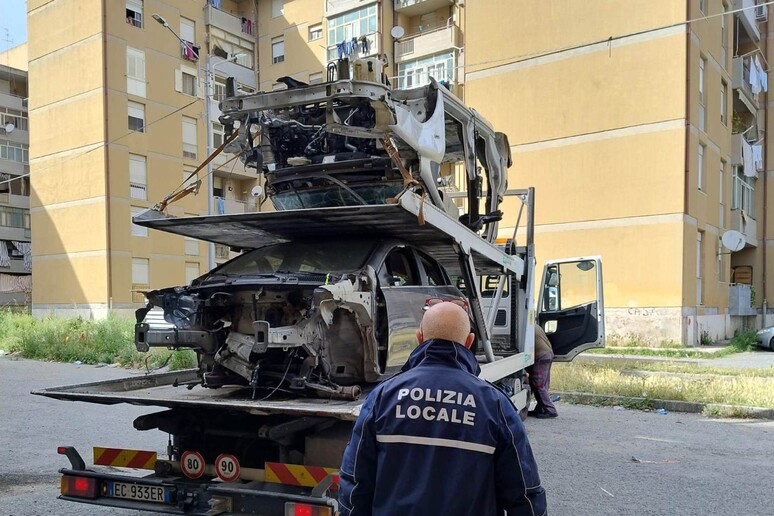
(323,300)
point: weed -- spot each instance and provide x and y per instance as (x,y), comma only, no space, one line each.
(108,341)
(606,380)
(744,340)
(705,339)
(726,412)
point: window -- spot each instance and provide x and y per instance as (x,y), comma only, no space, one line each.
(188,178)
(186,81)
(399,266)
(138,231)
(134,13)
(217,188)
(217,135)
(432,271)
(188,30)
(700,165)
(219,89)
(14,217)
(191,272)
(315,78)
(13,151)
(138,183)
(703,6)
(277,8)
(723,102)
(136,117)
(723,38)
(140,271)
(418,73)
(743,194)
(18,119)
(315,32)
(354,24)
(277,50)
(700,268)
(702,103)
(135,72)
(191,247)
(190,146)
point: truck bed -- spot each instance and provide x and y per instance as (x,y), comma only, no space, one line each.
(171,390)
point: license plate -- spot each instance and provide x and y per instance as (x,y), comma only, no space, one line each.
(139,492)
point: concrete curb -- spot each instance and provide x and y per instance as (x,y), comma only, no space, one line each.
(670,405)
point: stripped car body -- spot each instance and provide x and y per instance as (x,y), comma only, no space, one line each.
(327,330)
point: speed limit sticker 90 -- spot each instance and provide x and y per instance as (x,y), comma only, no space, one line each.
(192,464)
(227,467)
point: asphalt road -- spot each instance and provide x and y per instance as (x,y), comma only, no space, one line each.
(690,465)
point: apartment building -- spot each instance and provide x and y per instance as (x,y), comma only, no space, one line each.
(123,102)
(15,247)
(645,136)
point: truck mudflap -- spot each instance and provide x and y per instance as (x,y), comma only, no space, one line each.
(202,496)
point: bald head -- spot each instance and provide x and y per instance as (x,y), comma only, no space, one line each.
(446,321)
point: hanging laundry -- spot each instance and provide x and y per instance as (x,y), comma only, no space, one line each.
(354,45)
(748,160)
(340,47)
(215,3)
(5,260)
(221,206)
(25,248)
(755,82)
(364,44)
(763,78)
(757,152)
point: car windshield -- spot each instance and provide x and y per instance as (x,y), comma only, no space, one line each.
(310,257)
(335,196)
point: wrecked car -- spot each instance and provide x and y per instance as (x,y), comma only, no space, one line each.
(320,316)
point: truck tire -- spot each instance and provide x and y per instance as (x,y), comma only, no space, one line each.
(523,412)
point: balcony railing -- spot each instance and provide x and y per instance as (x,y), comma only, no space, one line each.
(222,252)
(741,80)
(427,43)
(747,17)
(234,24)
(419,7)
(223,206)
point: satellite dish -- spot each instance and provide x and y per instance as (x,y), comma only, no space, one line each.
(256,191)
(9,128)
(733,240)
(397,32)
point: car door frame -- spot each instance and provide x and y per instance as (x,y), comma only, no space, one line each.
(594,313)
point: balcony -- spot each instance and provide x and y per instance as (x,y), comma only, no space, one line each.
(334,7)
(233,206)
(742,85)
(229,23)
(747,18)
(16,201)
(419,7)
(739,147)
(426,43)
(740,300)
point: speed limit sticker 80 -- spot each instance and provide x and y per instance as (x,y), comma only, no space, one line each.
(192,464)
(227,467)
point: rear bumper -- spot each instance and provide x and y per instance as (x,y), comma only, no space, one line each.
(205,497)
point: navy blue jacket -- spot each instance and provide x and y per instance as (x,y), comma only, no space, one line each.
(437,439)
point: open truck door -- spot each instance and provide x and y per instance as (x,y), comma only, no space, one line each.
(571,308)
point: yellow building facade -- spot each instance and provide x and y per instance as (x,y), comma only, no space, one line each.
(644,135)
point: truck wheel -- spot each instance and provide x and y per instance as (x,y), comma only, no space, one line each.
(523,412)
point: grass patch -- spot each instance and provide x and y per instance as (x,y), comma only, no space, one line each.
(683,368)
(109,341)
(606,380)
(726,412)
(654,352)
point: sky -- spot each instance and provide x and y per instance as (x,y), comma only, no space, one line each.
(13,19)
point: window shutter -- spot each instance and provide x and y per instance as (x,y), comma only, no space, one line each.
(179,80)
(137,170)
(189,131)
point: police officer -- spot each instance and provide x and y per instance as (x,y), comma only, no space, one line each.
(436,439)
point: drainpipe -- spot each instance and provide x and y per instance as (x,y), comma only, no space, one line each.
(764,215)
(108,239)
(687,178)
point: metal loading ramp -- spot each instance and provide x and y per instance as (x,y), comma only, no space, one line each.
(440,235)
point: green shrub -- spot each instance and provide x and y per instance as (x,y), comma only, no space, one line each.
(744,340)
(109,341)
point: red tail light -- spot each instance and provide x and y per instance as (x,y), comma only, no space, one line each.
(81,487)
(305,509)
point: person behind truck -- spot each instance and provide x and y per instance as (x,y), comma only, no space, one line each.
(436,439)
(540,376)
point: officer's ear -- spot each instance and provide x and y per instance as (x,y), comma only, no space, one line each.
(469,340)
(420,336)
